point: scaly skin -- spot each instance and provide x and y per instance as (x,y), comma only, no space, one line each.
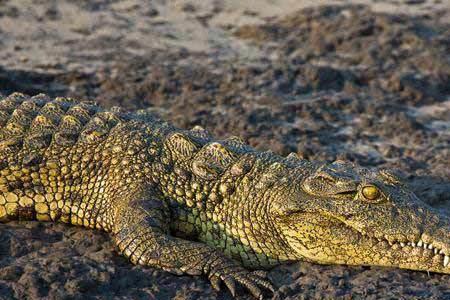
(180,201)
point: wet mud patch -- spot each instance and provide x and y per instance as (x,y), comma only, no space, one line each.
(308,281)
(400,54)
(59,261)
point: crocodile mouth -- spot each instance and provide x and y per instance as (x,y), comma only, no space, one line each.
(329,240)
(413,255)
(410,254)
(427,250)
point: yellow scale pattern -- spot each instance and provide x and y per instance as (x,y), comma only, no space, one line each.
(58,158)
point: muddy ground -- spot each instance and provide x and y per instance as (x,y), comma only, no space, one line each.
(357,82)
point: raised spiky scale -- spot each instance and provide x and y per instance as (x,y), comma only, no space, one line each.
(215,153)
(181,145)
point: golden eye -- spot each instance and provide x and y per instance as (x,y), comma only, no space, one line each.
(371,192)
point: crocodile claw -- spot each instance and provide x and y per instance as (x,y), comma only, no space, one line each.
(215,282)
(255,282)
(231,285)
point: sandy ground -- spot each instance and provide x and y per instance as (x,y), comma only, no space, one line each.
(69,35)
(369,83)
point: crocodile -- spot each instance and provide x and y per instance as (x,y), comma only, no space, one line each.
(187,203)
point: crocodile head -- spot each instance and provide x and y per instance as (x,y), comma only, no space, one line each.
(343,214)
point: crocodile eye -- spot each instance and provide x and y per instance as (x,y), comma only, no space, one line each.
(371,192)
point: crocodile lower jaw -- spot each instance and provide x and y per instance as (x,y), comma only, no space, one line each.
(428,249)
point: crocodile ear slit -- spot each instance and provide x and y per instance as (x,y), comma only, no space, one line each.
(326,177)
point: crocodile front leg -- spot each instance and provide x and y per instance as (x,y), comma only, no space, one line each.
(141,233)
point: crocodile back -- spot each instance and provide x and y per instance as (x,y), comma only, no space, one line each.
(57,158)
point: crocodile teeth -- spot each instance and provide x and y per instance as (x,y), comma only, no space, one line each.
(425,246)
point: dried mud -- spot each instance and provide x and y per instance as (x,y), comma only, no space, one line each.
(328,82)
